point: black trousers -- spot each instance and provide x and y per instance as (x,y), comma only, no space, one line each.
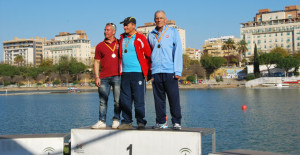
(165,84)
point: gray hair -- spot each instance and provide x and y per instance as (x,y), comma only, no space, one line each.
(113,25)
(159,11)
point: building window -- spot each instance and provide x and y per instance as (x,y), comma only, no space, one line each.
(298,44)
(298,38)
(288,46)
(288,33)
(288,40)
(281,34)
(258,41)
(275,40)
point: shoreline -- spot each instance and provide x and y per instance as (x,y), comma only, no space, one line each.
(149,86)
(94,88)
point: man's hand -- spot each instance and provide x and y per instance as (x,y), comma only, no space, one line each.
(97,82)
(177,77)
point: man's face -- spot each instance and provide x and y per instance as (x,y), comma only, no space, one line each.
(129,27)
(109,31)
(160,19)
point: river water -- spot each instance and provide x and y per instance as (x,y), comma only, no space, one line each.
(270,123)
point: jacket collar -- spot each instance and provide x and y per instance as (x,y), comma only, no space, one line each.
(155,31)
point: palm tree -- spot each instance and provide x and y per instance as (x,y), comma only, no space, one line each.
(228,45)
(242,48)
(19,59)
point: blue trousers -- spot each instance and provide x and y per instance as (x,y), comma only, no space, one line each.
(165,84)
(133,90)
(104,90)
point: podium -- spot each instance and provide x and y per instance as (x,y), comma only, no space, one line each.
(139,142)
(32,144)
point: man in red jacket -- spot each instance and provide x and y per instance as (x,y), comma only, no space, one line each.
(135,53)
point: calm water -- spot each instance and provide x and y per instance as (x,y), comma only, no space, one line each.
(271,122)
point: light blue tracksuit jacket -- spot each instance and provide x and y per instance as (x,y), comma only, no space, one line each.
(167,58)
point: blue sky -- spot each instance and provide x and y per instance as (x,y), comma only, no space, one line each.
(201,19)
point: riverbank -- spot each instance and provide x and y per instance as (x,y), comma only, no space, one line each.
(149,86)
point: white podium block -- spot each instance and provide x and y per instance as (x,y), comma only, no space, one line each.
(136,142)
(32,144)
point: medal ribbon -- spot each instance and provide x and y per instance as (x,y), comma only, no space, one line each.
(126,44)
(113,50)
(161,35)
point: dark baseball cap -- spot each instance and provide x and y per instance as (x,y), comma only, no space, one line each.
(129,20)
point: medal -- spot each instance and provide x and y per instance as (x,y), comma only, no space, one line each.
(126,44)
(113,50)
(158,46)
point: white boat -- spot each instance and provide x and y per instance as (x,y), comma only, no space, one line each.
(275,85)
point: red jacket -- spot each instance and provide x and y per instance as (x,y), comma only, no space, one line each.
(143,52)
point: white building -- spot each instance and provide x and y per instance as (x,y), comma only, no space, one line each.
(213,46)
(30,49)
(148,27)
(74,45)
(271,29)
(193,53)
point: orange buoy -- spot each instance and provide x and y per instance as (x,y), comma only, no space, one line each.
(244,107)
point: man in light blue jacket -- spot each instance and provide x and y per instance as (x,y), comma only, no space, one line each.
(166,69)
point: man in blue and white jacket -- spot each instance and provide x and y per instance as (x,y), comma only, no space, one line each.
(166,69)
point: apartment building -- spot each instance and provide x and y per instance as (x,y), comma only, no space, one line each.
(193,53)
(74,45)
(30,49)
(148,27)
(271,29)
(213,46)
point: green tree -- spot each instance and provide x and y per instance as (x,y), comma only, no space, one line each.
(8,70)
(19,59)
(288,63)
(192,62)
(186,61)
(76,68)
(244,61)
(268,59)
(191,78)
(242,48)
(280,50)
(211,63)
(63,65)
(256,63)
(297,54)
(228,45)
(234,61)
(46,63)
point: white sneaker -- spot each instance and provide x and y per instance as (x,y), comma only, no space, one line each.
(99,125)
(177,126)
(115,124)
